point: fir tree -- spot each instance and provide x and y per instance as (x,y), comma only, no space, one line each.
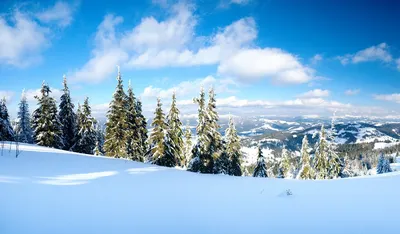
(175,131)
(286,164)
(96,150)
(115,144)
(188,145)
(306,171)
(321,157)
(23,129)
(45,122)
(200,148)
(99,137)
(67,117)
(134,137)
(87,135)
(233,149)
(335,166)
(161,150)
(383,165)
(142,128)
(6,130)
(261,169)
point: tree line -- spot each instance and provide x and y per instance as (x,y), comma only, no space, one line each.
(169,143)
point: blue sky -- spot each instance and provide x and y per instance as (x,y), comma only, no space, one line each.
(262,57)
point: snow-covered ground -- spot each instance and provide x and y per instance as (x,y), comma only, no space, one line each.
(46,191)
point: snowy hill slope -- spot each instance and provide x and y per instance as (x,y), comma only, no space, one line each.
(46,191)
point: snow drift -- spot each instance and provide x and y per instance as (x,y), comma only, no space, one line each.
(47,191)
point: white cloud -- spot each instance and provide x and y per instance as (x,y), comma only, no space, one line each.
(189,88)
(31,93)
(240,2)
(8,95)
(315,93)
(22,40)
(395,97)
(316,58)
(60,13)
(374,53)
(106,54)
(173,43)
(352,92)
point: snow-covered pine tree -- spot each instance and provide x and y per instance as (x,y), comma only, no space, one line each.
(306,171)
(383,165)
(142,128)
(45,122)
(67,117)
(134,136)
(260,170)
(23,128)
(335,165)
(100,137)
(321,157)
(188,145)
(233,149)
(6,130)
(96,150)
(86,135)
(287,164)
(116,135)
(175,131)
(201,145)
(161,151)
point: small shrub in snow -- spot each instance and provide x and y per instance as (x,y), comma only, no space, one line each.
(383,165)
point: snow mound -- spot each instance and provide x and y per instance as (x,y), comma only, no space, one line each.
(47,191)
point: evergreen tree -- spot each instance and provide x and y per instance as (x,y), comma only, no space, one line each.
(188,145)
(99,137)
(23,129)
(287,164)
(321,157)
(261,169)
(115,144)
(200,148)
(87,135)
(175,131)
(383,165)
(45,122)
(306,171)
(134,137)
(6,130)
(335,166)
(96,150)
(142,128)
(161,149)
(67,117)
(233,149)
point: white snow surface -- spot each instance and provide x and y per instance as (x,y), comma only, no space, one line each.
(47,191)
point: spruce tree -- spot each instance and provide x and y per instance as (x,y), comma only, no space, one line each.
(23,129)
(99,137)
(260,170)
(161,150)
(286,164)
(6,130)
(188,145)
(321,157)
(45,122)
(383,165)
(67,117)
(142,128)
(306,171)
(222,163)
(233,149)
(335,166)
(175,131)
(115,144)
(201,145)
(134,137)
(86,135)
(96,150)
